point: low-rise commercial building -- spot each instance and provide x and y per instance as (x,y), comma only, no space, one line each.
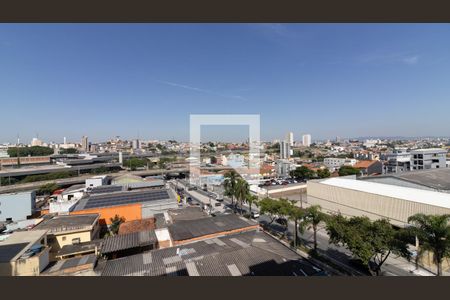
(433,158)
(97,181)
(69,229)
(369,167)
(397,161)
(352,197)
(17,206)
(131,205)
(24,253)
(334,163)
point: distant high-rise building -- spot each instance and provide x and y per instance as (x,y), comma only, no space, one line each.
(306,140)
(85,143)
(65,141)
(120,158)
(136,144)
(290,138)
(36,142)
(285,150)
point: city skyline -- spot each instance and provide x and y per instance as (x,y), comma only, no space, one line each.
(105,80)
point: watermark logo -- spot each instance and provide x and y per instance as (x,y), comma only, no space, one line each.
(252,169)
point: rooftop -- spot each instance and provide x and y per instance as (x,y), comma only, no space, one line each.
(106,189)
(137,225)
(364,164)
(429,150)
(127,241)
(71,265)
(189,229)
(438,179)
(250,253)
(399,192)
(121,198)
(188,213)
(80,248)
(64,223)
(74,188)
(15,244)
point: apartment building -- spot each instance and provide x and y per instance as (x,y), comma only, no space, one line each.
(433,158)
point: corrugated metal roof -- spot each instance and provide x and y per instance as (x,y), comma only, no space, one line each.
(127,241)
(188,229)
(213,259)
(71,263)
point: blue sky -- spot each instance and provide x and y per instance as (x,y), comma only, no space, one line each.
(328,80)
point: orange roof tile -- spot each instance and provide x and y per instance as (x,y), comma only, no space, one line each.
(364,164)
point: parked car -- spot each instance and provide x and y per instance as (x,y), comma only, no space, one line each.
(281,221)
(254,215)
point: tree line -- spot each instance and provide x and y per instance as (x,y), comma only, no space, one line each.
(29,151)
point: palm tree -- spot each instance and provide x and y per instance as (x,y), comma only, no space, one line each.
(242,190)
(230,184)
(296,214)
(433,232)
(313,216)
(115,224)
(251,199)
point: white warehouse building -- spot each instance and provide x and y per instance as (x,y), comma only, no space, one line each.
(352,197)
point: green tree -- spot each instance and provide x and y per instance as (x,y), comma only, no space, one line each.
(68,151)
(348,170)
(371,242)
(274,208)
(242,189)
(250,200)
(323,173)
(302,173)
(134,163)
(115,224)
(433,232)
(47,189)
(313,217)
(213,160)
(29,151)
(297,214)
(270,207)
(230,184)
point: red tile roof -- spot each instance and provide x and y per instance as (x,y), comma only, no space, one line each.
(137,225)
(364,164)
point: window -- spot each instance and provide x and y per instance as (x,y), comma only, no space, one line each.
(63,238)
(76,241)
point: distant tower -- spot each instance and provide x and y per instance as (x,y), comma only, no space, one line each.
(306,140)
(65,142)
(84,143)
(285,150)
(120,158)
(290,138)
(136,144)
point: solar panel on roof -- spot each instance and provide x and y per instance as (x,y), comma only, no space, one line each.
(100,200)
